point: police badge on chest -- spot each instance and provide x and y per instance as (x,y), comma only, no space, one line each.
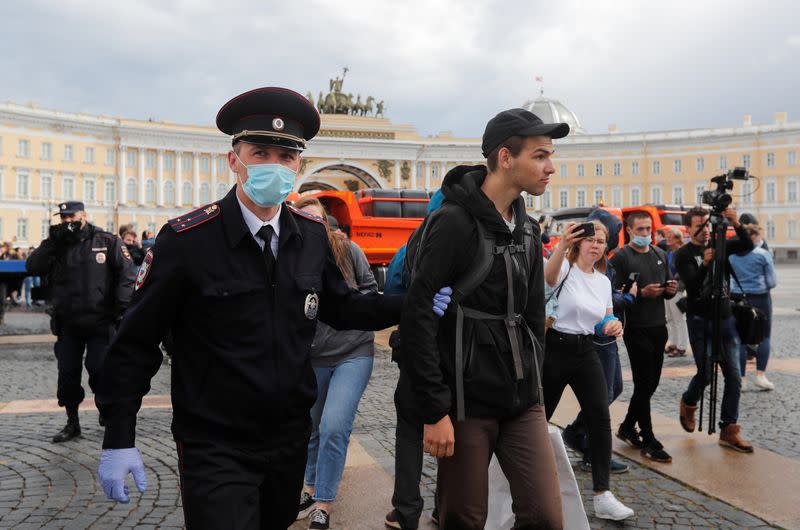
(311,306)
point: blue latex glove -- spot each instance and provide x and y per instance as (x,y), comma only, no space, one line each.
(115,464)
(441,300)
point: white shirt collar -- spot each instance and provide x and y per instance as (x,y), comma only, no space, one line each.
(254,224)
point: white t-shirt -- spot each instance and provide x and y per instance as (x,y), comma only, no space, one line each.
(583,301)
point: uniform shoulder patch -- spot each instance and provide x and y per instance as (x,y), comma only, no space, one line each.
(144,269)
(304,215)
(194,218)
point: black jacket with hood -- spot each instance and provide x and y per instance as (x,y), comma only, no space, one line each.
(426,390)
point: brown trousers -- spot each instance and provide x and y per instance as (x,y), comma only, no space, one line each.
(523,449)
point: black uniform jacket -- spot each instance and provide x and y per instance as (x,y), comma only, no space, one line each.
(426,390)
(241,370)
(91,278)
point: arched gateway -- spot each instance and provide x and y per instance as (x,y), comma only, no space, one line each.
(339,175)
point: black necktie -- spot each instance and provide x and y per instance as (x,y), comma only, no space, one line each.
(266,232)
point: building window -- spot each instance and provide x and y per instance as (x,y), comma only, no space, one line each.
(655,195)
(791,158)
(770,230)
(222,189)
(222,165)
(434,172)
(599,196)
(791,229)
(68,188)
(205,193)
(677,166)
(22,229)
(186,163)
(24,149)
(45,229)
(22,186)
(677,194)
(616,197)
(111,157)
(634,168)
(656,167)
(89,192)
(546,200)
(150,191)
(169,192)
(746,193)
(700,165)
(723,162)
(636,196)
(563,171)
(563,199)
(186,196)
(699,188)
(770,159)
(110,227)
(88,155)
(130,191)
(131,158)
(169,161)
(580,170)
(598,170)
(769,192)
(746,161)
(68,155)
(205,164)
(580,201)
(47,151)
(150,160)
(617,169)
(151,227)
(111,191)
(791,191)
(47,186)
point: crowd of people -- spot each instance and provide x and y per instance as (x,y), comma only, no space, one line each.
(272,344)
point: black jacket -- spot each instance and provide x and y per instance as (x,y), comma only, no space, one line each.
(241,369)
(91,278)
(426,391)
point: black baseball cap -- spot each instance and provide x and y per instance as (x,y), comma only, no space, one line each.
(70,207)
(518,122)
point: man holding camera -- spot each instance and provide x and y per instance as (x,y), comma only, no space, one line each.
(693,263)
(644,264)
(91,275)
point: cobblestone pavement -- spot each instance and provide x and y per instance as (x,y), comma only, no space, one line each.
(54,486)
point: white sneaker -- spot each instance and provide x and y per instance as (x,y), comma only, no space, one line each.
(744,384)
(606,506)
(763,383)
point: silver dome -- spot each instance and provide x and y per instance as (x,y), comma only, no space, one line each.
(553,111)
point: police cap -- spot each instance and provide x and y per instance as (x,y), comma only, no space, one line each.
(70,207)
(270,116)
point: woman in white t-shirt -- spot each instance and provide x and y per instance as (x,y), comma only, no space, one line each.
(584,308)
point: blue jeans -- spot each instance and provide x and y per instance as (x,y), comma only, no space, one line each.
(339,390)
(764,303)
(698,327)
(27,286)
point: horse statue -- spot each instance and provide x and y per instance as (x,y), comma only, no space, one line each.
(358,107)
(320,102)
(366,109)
(380,109)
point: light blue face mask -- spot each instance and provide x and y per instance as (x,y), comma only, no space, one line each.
(267,184)
(641,241)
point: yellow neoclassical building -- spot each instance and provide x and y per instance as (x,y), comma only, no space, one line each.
(145,172)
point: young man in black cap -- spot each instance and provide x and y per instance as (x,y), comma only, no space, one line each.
(474,378)
(242,322)
(91,274)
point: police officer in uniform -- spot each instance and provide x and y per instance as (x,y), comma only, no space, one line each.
(240,285)
(92,275)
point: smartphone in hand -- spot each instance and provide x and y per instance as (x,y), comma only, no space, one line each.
(588,229)
(631,280)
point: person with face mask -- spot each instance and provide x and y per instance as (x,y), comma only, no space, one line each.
(136,252)
(242,321)
(91,275)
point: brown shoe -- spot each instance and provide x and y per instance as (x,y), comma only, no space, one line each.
(687,417)
(729,437)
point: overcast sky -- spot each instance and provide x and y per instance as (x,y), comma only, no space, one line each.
(439,65)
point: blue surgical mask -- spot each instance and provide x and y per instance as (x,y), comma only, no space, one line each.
(641,241)
(267,184)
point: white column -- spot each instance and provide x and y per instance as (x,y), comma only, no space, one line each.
(427,176)
(195,179)
(141,176)
(214,162)
(121,186)
(414,174)
(178,183)
(160,176)
(397,174)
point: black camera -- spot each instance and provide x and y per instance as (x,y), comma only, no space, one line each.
(719,199)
